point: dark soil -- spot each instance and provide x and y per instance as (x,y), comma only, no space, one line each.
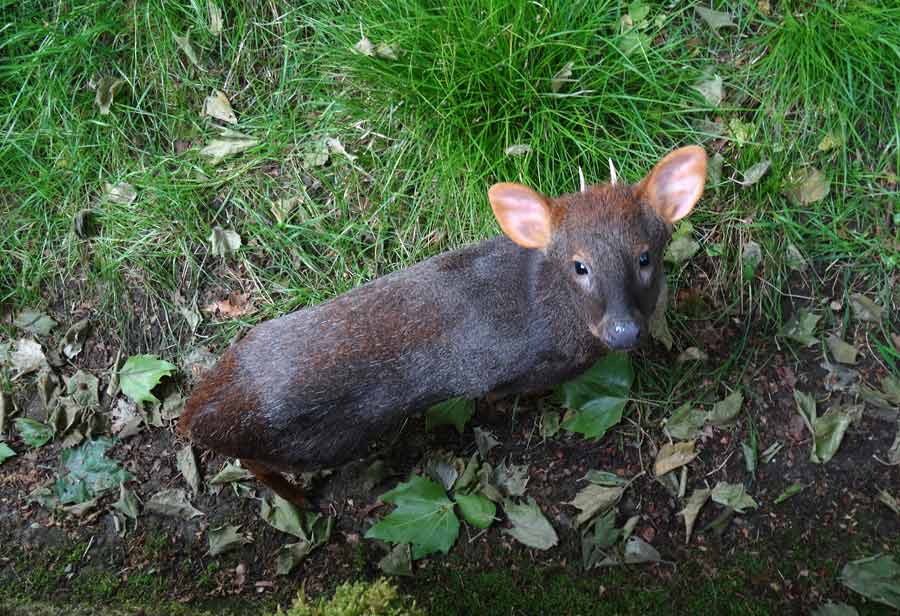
(779,558)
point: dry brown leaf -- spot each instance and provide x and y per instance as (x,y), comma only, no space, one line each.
(672,456)
(233,306)
(217,106)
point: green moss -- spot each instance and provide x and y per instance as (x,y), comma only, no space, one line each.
(378,598)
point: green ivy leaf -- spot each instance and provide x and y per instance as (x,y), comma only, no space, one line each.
(453,412)
(34,433)
(6,452)
(87,472)
(140,374)
(876,577)
(476,509)
(424,517)
(598,396)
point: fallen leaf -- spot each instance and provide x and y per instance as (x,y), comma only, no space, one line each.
(232,307)
(34,322)
(86,472)
(834,609)
(714,19)
(876,578)
(442,471)
(865,309)
(106,91)
(828,432)
(225,538)
(122,193)
(385,51)
(476,509)
(685,422)
(604,478)
(691,354)
(550,423)
(140,374)
(364,47)
(453,412)
(733,495)
(794,258)
(231,142)
(83,389)
(28,357)
(529,526)
(633,41)
(791,490)
(72,342)
(829,142)
(217,106)
(34,433)
(231,472)
(518,149)
(672,456)
(800,327)
(894,451)
(335,147)
(485,441)
(173,503)
(726,410)
(561,77)
(594,499)
(807,186)
(184,43)
(398,561)
(754,174)
(84,224)
(889,501)
(659,328)
(710,89)
(511,479)
(681,249)
(216,22)
(638,551)
(740,131)
(128,503)
(186,464)
(224,242)
(841,351)
(6,452)
(692,509)
(282,515)
(714,169)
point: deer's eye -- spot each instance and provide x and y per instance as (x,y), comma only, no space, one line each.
(580,268)
(644,259)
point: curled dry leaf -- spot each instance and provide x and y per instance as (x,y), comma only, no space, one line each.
(865,309)
(561,77)
(594,499)
(217,106)
(692,510)
(224,241)
(234,306)
(174,503)
(659,327)
(28,357)
(691,354)
(122,193)
(841,351)
(106,91)
(807,186)
(230,143)
(794,258)
(681,249)
(726,410)
(714,169)
(364,47)
(34,322)
(385,51)
(184,43)
(216,22)
(335,147)
(711,90)
(186,463)
(714,19)
(754,174)
(73,342)
(518,149)
(672,456)
(733,495)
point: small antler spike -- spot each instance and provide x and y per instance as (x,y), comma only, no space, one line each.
(613,179)
(581,179)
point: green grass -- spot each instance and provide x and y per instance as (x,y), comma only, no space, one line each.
(429,132)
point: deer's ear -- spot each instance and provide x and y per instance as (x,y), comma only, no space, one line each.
(526,216)
(675,184)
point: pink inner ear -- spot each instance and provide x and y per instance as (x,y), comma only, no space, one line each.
(676,183)
(523,214)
